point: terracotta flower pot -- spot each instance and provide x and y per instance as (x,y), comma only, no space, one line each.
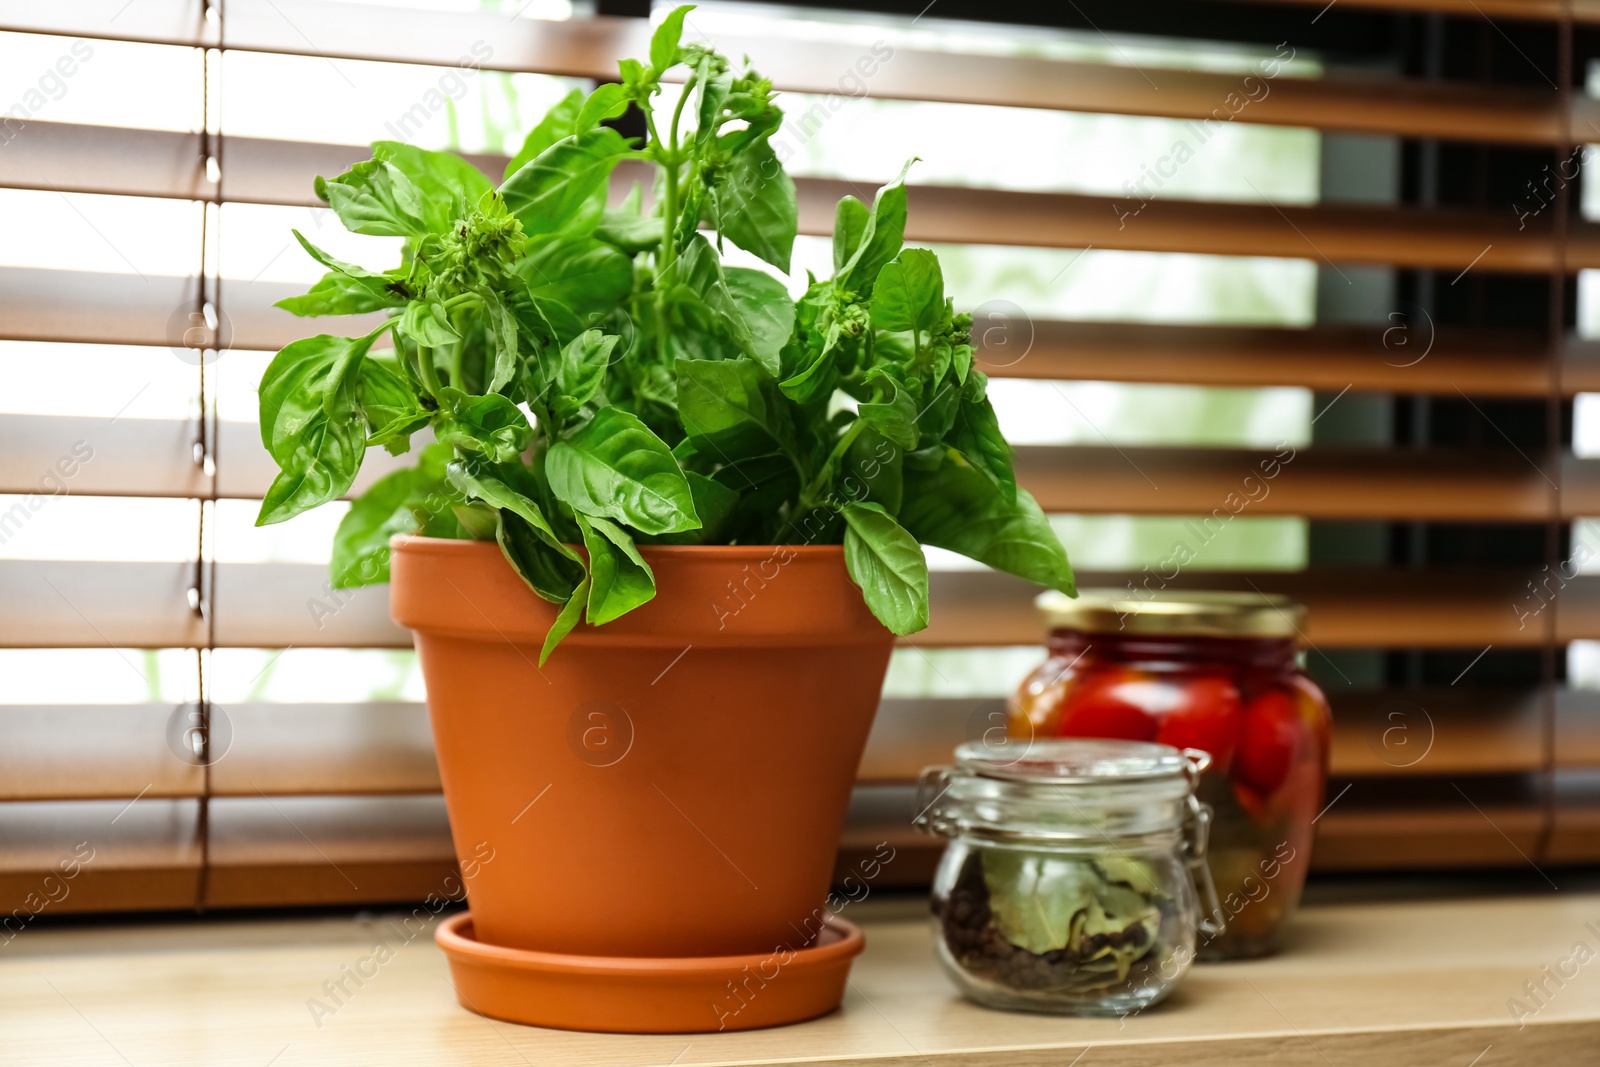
(670,784)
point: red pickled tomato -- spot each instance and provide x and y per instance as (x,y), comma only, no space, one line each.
(1111,704)
(1272,730)
(1208,719)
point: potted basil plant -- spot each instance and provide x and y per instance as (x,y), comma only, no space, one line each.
(669,521)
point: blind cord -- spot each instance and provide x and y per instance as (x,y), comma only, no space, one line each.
(1555,553)
(208,307)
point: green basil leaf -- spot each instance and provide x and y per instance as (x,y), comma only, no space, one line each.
(633,73)
(573,284)
(477,522)
(395,435)
(664,42)
(339,294)
(816,379)
(390,405)
(961,359)
(763,302)
(295,383)
(361,544)
(976,388)
(909,294)
(879,240)
(697,278)
(427,323)
(375,281)
(450,186)
(896,416)
(849,224)
(556,192)
(734,406)
(341,392)
(374,197)
(766,487)
(956,507)
(560,122)
(501,328)
(322,466)
(551,568)
(628,227)
(545,567)
(713,502)
(490,425)
(606,102)
(688,341)
(939,358)
(694,203)
(887,563)
(617,467)
(583,366)
(383,290)
(480,482)
(756,206)
(977,435)
(631,233)
(407,501)
(712,93)
(873,471)
(938,415)
(619,578)
(565,621)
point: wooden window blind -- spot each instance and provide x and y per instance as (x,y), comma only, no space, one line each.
(1440,484)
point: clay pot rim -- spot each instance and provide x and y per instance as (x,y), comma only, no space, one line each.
(444,546)
(457,937)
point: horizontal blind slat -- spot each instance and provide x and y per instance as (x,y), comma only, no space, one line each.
(141,458)
(272,605)
(1350,607)
(90,751)
(1490,836)
(1378,825)
(1396,355)
(41,454)
(152,457)
(61,305)
(299,850)
(591,47)
(126,834)
(89,307)
(1583,11)
(1326,482)
(84,752)
(61,604)
(1443,238)
(125,309)
(1464,732)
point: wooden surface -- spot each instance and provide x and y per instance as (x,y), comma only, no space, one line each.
(1374,983)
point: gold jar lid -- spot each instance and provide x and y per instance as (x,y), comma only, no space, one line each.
(1174,613)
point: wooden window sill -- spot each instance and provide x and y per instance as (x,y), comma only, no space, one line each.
(1424,981)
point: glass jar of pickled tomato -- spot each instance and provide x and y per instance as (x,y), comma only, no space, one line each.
(1211,671)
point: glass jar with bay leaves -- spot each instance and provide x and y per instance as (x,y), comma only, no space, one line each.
(1072,877)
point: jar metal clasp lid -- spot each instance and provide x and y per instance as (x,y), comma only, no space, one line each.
(932,785)
(1196,839)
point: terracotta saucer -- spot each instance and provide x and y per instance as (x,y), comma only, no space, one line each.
(617,994)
